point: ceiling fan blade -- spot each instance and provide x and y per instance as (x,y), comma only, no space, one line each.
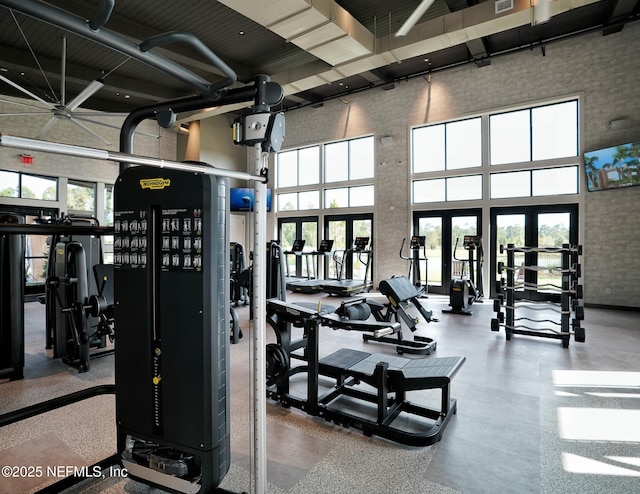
(87,129)
(99,114)
(20,103)
(26,91)
(86,93)
(80,116)
(46,127)
(414,18)
(25,114)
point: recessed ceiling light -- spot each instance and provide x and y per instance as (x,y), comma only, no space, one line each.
(2,69)
(126,96)
(241,33)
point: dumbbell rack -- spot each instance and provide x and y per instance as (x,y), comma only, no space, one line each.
(570,295)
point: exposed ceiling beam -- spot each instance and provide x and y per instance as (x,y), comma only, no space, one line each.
(322,27)
(452,29)
(623,9)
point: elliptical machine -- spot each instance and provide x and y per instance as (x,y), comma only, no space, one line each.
(463,291)
(416,244)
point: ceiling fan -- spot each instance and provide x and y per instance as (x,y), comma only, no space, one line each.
(60,109)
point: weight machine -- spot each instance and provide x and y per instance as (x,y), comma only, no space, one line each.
(148,408)
(390,377)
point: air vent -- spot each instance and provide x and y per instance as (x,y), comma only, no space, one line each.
(503,6)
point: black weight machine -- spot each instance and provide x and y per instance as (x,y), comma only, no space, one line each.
(78,308)
(79,312)
(463,291)
(354,373)
(416,244)
(403,301)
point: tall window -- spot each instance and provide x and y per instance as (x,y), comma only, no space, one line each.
(347,176)
(531,152)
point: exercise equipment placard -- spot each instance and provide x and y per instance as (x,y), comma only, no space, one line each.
(130,240)
(180,241)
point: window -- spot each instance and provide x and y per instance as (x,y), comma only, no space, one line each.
(35,187)
(540,182)
(349,160)
(534,134)
(108,205)
(349,197)
(299,167)
(539,145)
(81,197)
(449,146)
(342,163)
(10,184)
(295,201)
(555,181)
(464,188)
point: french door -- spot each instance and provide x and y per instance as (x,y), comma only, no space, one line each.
(536,226)
(302,228)
(343,230)
(444,232)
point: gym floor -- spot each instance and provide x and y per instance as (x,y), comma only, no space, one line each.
(533,417)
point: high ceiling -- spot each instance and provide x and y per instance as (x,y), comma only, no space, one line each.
(316,49)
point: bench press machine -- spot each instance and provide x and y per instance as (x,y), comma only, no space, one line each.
(391,377)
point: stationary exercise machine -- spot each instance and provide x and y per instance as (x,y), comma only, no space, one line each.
(416,244)
(70,281)
(12,248)
(313,285)
(463,291)
(402,306)
(179,425)
(377,381)
(171,331)
(347,287)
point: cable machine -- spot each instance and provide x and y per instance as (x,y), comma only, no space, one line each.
(156,362)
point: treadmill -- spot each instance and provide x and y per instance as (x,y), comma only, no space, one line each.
(349,287)
(296,250)
(311,286)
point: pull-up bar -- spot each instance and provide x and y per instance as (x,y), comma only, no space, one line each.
(103,154)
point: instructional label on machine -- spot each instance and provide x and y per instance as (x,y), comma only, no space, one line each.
(180,239)
(130,239)
(181,245)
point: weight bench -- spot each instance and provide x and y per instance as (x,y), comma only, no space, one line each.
(402,295)
(390,376)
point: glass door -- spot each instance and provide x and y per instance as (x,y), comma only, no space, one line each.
(431,269)
(537,226)
(343,230)
(292,229)
(444,233)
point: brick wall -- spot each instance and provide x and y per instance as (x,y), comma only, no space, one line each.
(602,70)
